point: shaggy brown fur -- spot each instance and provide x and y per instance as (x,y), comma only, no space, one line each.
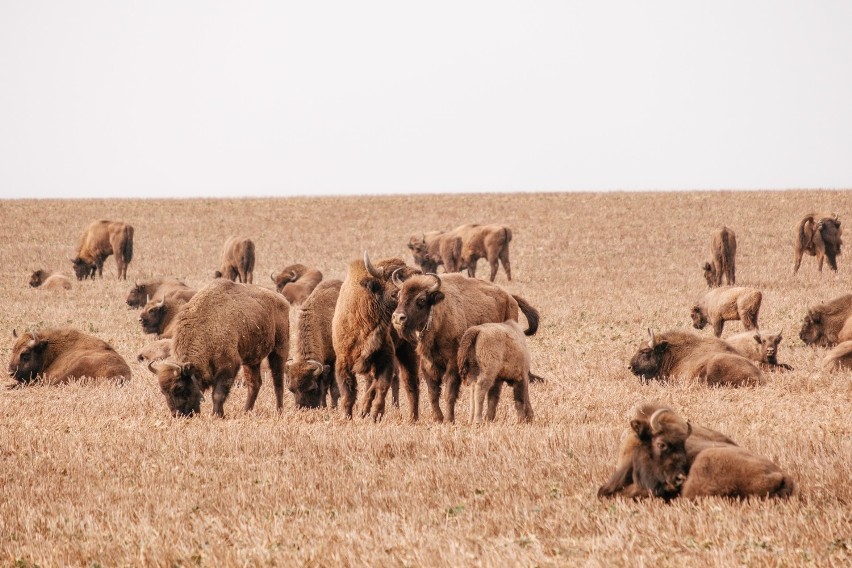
(727,304)
(828,323)
(155,351)
(59,355)
(436,248)
(433,314)
(143,292)
(723,254)
(761,348)
(296,282)
(489,355)
(677,353)
(49,280)
(736,473)
(225,325)
(818,234)
(98,241)
(312,368)
(237,260)
(839,358)
(160,316)
(490,242)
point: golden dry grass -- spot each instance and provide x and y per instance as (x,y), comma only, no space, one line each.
(102,474)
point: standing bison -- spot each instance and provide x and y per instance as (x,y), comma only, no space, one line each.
(237,260)
(819,235)
(723,251)
(828,323)
(296,282)
(436,248)
(98,241)
(490,242)
(727,304)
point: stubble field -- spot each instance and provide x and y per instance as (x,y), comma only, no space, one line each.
(102,474)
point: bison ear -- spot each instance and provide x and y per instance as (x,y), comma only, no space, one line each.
(661,346)
(758,338)
(642,429)
(436,297)
(707,266)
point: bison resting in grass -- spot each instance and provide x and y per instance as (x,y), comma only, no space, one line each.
(762,348)
(818,234)
(98,241)
(727,304)
(49,280)
(296,282)
(828,323)
(59,355)
(839,358)
(677,353)
(237,260)
(155,351)
(436,248)
(736,473)
(723,250)
(489,355)
(225,325)
(141,293)
(490,242)
(159,317)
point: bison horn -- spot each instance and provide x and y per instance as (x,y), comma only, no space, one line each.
(293,276)
(162,301)
(317,364)
(272,275)
(374,272)
(155,365)
(435,287)
(651,342)
(397,281)
(653,422)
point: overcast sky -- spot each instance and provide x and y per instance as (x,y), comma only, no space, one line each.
(201,98)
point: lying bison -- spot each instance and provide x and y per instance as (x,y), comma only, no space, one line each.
(59,355)
(49,280)
(142,292)
(761,348)
(839,358)
(224,326)
(237,260)
(677,353)
(155,351)
(736,473)
(490,242)
(828,323)
(727,304)
(98,241)
(436,248)
(296,282)
(818,234)
(723,250)
(159,317)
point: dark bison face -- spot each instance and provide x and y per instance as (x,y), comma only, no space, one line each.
(83,269)
(417,296)
(180,387)
(709,274)
(813,331)
(698,319)
(306,382)
(661,464)
(153,316)
(138,296)
(382,282)
(27,360)
(37,278)
(647,362)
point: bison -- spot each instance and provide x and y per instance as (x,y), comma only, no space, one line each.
(489,355)
(160,316)
(237,260)
(723,251)
(296,282)
(677,353)
(155,351)
(98,241)
(839,358)
(761,348)
(141,293)
(311,370)
(828,323)
(224,326)
(736,473)
(49,280)
(490,242)
(818,234)
(727,304)
(59,355)
(436,248)
(433,314)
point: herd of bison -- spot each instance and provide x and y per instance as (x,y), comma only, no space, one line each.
(390,323)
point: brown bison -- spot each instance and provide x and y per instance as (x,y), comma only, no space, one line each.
(98,241)
(828,323)
(761,348)
(723,251)
(436,248)
(677,353)
(433,314)
(489,355)
(490,242)
(159,317)
(364,343)
(818,234)
(141,293)
(727,304)
(155,351)
(736,473)
(237,260)
(312,368)
(59,355)
(49,280)
(224,326)
(839,358)
(296,282)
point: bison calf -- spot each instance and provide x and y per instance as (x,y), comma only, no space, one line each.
(727,304)
(237,260)
(436,248)
(818,234)
(762,348)
(98,241)
(736,473)
(49,280)
(296,282)
(141,293)
(155,351)
(723,250)
(490,242)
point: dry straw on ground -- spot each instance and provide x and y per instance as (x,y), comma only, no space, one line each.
(102,474)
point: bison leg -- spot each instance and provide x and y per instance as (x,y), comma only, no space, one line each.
(621,478)
(453,382)
(369,395)
(381,386)
(471,267)
(480,390)
(222,383)
(718,325)
(820,259)
(253,382)
(335,392)
(797,261)
(395,389)
(434,398)
(493,399)
(348,387)
(276,365)
(410,378)
(504,260)
(522,401)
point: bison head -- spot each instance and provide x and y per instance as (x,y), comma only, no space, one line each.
(813,330)
(660,463)
(698,318)
(768,346)
(647,362)
(709,274)
(378,281)
(305,382)
(37,278)
(180,385)
(27,360)
(153,316)
(420,252)
(84,269)
(417,296)
(138,296)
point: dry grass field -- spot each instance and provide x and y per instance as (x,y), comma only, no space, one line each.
(103,475)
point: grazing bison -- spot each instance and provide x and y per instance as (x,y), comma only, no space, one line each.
(225,325)
(677,353)
(433,314)
(490,242)
(489,355)
(818,234)
(363,341)
(155,351)
(160,316)
(237,260)
(723,251)
(839,358)
(59,355)
(436,248)
(312,368)
(141,293)
(98,241)
(296,282)
(761,348)
(727,304)
(49,280)
(828,323)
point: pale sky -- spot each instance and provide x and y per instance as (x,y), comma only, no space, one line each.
(202,98)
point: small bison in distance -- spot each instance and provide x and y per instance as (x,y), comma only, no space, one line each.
(818,234)
(98,241)
(828,323)
(489,355)
(159,317)
(436,248)
(296,282)
(723,250)
(237,260)
(59,355)
(141,293)
(677,353)
(761,348)
(49,280)
(490,242)
(727,304)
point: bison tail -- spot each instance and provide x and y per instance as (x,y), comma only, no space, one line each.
(466,359)
(508,234)
(530,313)
(127,244)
